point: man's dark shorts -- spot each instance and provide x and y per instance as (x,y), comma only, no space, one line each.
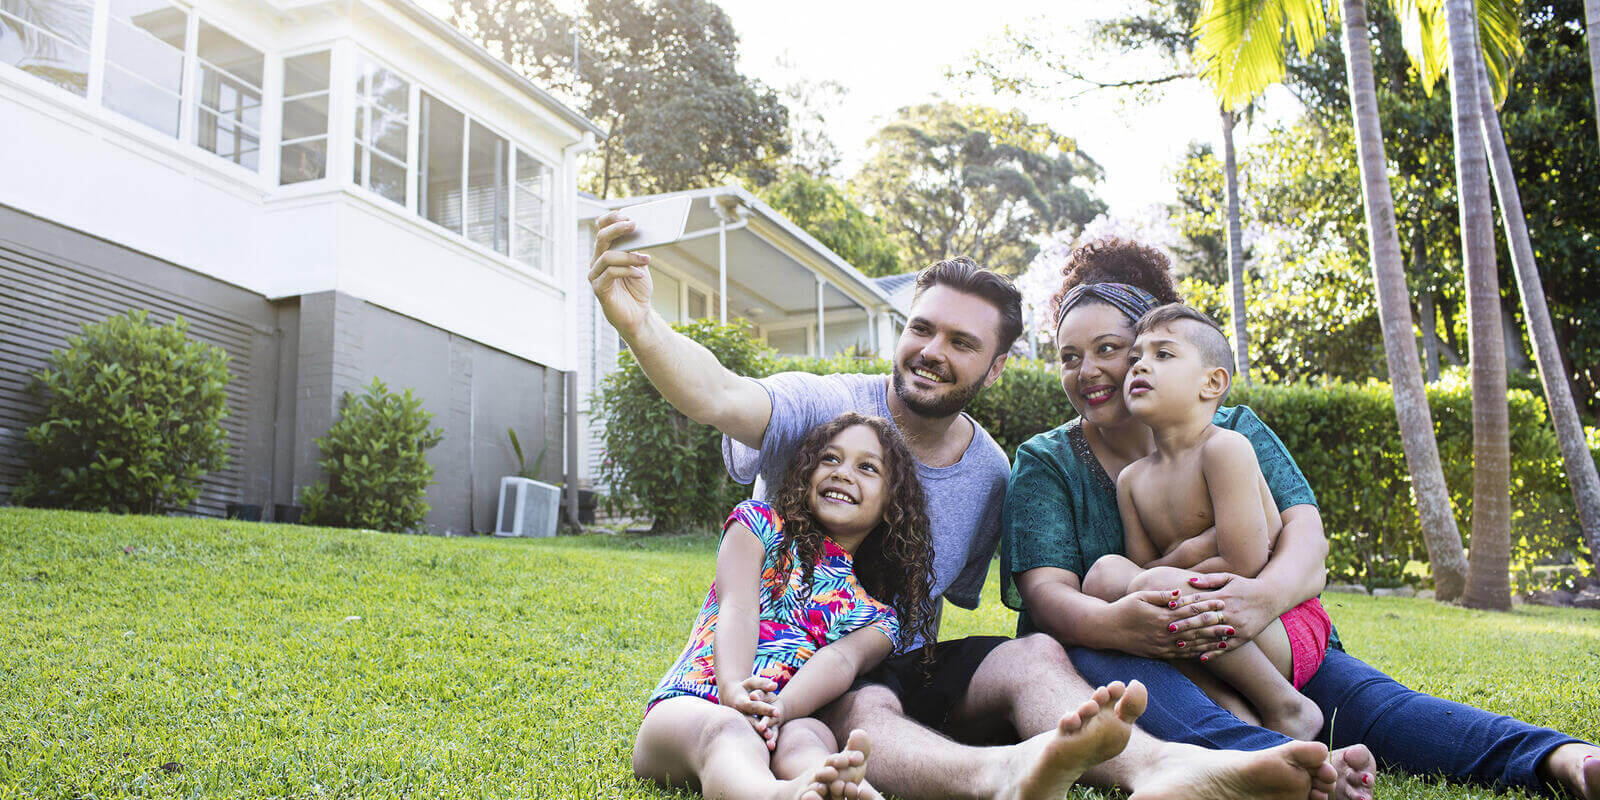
(930,693)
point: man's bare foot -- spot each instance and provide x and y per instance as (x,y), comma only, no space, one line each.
(1358,773)
(1290,771)
(1576,766)
(1295,716)
(1048,764)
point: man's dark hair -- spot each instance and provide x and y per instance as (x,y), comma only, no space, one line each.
(1208,337)
(964,275)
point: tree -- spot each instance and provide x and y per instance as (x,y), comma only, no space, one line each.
(661,75)
(1243,45)
(822,210)
(1198,216)
(1591,15)
(968,180)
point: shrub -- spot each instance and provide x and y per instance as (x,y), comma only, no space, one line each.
(659,462)
(376,462)
(132,419)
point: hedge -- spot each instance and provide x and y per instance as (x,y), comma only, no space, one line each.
(1343,435)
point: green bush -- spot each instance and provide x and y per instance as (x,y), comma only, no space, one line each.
(376,462)
(132,419)
(659,462)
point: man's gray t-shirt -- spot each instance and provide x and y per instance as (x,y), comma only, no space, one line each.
(964,499)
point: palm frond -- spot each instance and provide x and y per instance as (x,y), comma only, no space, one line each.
(1427,41)
(1241,45)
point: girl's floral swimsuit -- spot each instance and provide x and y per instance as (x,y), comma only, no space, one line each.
(793,626)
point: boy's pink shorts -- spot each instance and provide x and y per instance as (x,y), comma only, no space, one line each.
(1308,627)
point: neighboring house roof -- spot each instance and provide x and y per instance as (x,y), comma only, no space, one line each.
(899,288)
(589,208)
(451,34)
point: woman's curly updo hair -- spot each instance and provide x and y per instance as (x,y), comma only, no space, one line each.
(1112,259)
(894,561)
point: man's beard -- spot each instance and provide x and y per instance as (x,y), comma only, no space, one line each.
(948,405)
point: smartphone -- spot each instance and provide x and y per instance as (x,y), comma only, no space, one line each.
(655,223)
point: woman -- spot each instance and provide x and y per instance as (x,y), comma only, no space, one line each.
(1061,515)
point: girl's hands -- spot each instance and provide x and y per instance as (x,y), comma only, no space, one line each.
(756,698)
(1166,625)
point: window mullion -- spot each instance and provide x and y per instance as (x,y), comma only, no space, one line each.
(413,147)
(189,84)
(98,34)
(466,157)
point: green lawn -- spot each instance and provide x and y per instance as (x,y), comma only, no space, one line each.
(177,657)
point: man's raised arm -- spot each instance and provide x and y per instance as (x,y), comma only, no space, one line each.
(685,373)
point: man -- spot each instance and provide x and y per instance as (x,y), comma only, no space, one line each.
(963,322)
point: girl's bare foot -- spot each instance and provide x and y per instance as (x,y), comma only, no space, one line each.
(1048,764)
(850,770)
(1290,771)
(1358,773)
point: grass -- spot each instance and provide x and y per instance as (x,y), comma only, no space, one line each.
(174,657)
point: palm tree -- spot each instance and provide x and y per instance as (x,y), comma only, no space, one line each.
(1230,173)
(1575,454)
(1242,44)
(1591,16)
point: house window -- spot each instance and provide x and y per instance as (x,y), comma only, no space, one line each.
(697,304)
(382,125)
(534,182)
(228,108)
(305,118)
(48,39)
(488,196)
(440,173)
(665,297)
(145,46)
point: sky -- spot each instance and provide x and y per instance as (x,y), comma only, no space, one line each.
(887,54)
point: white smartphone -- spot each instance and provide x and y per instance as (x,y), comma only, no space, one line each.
(655,223)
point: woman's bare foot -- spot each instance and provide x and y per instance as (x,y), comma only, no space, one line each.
(1576,766)
(1048,764)
(1358,773)
(1290,771)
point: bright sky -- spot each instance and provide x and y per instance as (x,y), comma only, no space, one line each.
(893,53)
(889,54)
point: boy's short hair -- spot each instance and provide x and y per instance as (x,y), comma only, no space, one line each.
(1208,338)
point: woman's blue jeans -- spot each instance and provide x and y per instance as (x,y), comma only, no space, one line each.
(1404,729)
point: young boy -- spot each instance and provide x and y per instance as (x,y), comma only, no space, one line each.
(1202,477)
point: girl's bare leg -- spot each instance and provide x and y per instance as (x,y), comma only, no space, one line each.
(687,741)
(805,744)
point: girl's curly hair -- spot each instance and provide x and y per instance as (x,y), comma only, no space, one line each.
(1112,259)
(894,561)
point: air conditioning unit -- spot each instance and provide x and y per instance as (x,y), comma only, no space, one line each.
(527,508)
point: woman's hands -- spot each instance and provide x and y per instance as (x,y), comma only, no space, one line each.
(756,697)
(1239,601)
(1167,625)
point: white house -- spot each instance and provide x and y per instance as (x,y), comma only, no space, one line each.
(331,190)
(740,259)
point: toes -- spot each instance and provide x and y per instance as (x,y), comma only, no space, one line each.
(1133,702)
(859,743)
(1069,723)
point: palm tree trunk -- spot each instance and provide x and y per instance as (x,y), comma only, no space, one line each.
(1430,333)
(1575,456)
(1591,15)
(1394,313)
(1230,173)
(1489,566)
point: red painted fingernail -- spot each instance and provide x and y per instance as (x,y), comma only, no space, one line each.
(1222,645)
(1366,779)
(1174,592)
(1173,628)
(1230,631)
(1194,580)
(1203,658)
(1182,644)
(1173,604)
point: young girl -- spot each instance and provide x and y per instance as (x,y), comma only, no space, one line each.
(810,592)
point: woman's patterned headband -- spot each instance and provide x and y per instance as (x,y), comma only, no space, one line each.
(1130,300)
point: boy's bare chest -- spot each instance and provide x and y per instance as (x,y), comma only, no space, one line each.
(1173,503)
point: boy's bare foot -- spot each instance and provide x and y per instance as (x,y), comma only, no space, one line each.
(1576,766)
(1048,764)
(1290,771)
(1295,717)
(1358,773)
